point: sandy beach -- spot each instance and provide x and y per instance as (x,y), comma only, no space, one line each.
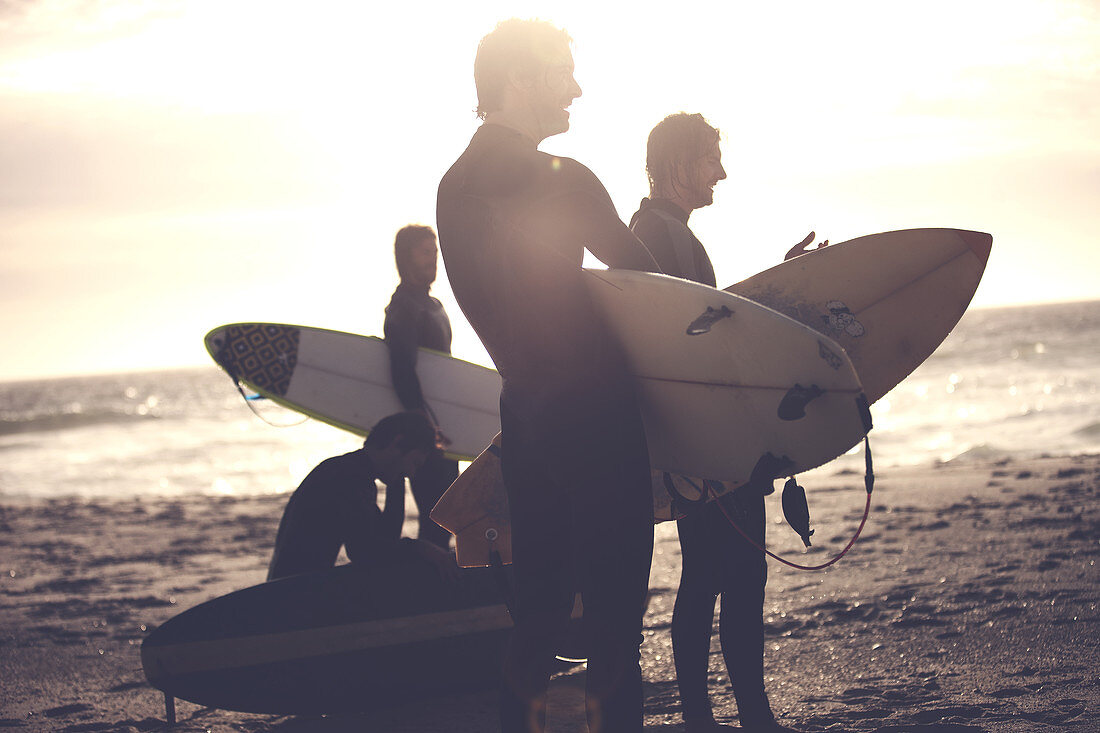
(969,604)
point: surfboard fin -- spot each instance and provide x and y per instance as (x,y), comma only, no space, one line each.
(793,404)
(709,317)
(768,468)
(796,511)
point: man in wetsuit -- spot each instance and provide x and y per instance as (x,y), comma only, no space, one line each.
(415,319)
(513,223)
(336,505)
(684,163)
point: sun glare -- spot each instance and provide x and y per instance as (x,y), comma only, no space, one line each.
(846,117)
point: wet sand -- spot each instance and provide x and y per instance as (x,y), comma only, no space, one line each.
(970,604)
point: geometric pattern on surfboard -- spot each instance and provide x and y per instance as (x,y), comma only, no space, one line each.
(264,355)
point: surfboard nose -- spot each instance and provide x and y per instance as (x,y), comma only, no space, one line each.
(980,243)
(214,341)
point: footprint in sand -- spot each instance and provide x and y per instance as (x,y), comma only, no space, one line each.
(66,710)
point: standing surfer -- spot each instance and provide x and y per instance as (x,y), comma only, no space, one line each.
(513,223)
(415,320)
(684,163)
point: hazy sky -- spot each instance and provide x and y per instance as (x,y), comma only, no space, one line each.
(166,167)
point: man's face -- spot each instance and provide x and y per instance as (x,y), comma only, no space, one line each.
(423,259)
(395,464)
(702,176)
(552,91)
(412,461)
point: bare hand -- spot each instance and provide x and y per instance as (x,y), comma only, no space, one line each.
(804,246)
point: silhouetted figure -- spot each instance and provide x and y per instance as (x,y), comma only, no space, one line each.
(513,224)
(337,504)
(415,319)
(684,163)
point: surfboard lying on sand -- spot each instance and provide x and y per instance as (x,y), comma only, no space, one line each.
(723,383)
(341,640)
(889,299)
(344,380)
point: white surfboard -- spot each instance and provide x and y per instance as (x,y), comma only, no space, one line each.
(712,372)
(343,379)
(723,383)
(889,299)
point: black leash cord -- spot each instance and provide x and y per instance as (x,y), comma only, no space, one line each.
(869,484)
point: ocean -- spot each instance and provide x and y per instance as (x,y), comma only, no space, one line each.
(1008,382)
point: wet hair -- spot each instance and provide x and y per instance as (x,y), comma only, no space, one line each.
(414,430)
(677,141)
(515,45)
(407,238)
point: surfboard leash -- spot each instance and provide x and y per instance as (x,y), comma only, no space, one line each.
(501,578)
(869,485)
(249,400)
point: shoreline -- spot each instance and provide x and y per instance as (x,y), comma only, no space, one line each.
(969,604)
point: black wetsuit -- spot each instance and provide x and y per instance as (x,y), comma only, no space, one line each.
(662,225)
(336,505)
(716,559)
(512,225)
(415,319)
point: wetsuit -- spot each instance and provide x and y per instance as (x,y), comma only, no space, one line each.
(336,505)
(662,225)
(415,319)
(716,559)
(512,225)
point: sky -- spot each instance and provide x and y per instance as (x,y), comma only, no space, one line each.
(170,166)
